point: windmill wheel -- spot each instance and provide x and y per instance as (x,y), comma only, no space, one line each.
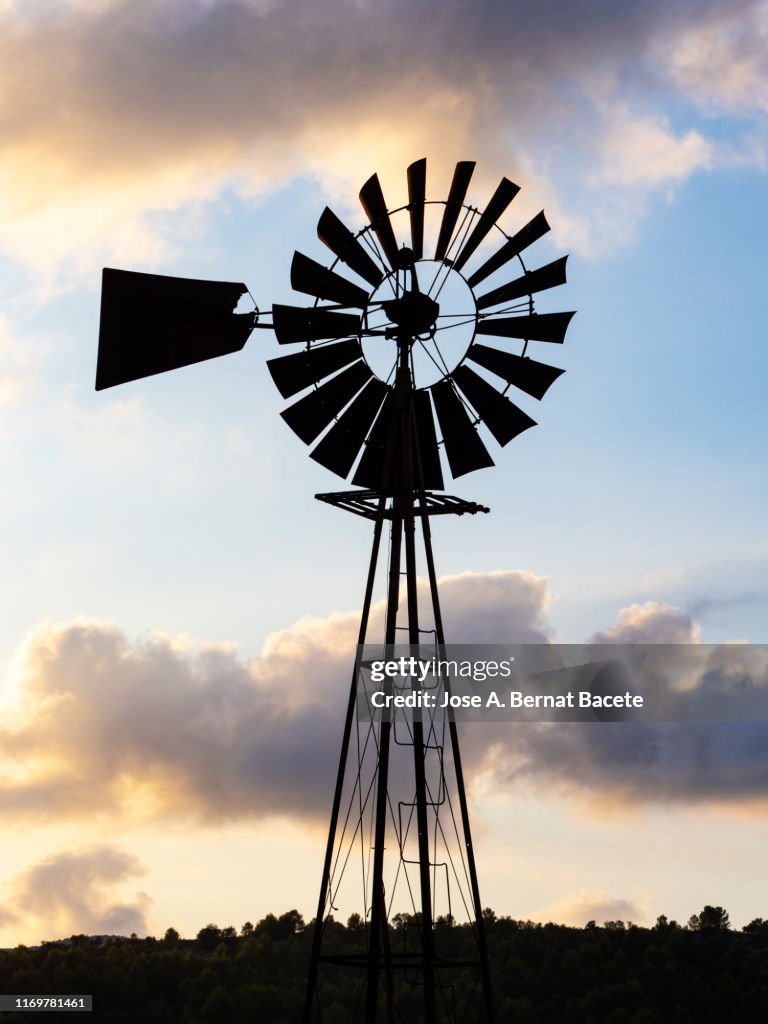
(438,308)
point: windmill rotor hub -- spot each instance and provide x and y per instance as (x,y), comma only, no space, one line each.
(405,258)
(414,313)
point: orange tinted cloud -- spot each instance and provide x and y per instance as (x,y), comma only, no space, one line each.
(74,892)
(157,728)
(118,110)
(652,622)
(578,908)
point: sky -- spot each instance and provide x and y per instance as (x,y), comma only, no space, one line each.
(179,613)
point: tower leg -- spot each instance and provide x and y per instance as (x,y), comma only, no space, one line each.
(378,908)
(427,927)
(482,943)
(340,774)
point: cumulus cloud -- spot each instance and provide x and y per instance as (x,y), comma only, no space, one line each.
(652,622)
(158,728)
(74,892)
(486,608)
(578,908)
(713,748)
(135,109)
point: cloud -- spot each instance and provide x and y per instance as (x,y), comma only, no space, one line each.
(644,151)
(484,608)
(705,607)
(159,728)
(652,622)
(713,749)
(578,908)
(721,59)
(709,590)
(136,113)
(73,892)
(163,729)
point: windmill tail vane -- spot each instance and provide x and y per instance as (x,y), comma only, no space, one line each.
(399,375)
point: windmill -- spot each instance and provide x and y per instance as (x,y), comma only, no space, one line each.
(390,376)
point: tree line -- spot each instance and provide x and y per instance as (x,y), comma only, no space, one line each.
(612,973)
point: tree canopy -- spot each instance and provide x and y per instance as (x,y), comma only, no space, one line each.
(614,973)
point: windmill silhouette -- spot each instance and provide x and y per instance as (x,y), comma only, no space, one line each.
(390,372)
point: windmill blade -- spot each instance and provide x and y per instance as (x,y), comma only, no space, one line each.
(341,445)
(536,327)
(533,281)
(343,244)
(497,204)
(417,193)
(456,195)
(426,454)
(502,417)
(463,445)
(311,415)
(372,199)
(528,375)
(298,323)
(370,469)
(300,370)
(151,323)
(314,279)
(513,246)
